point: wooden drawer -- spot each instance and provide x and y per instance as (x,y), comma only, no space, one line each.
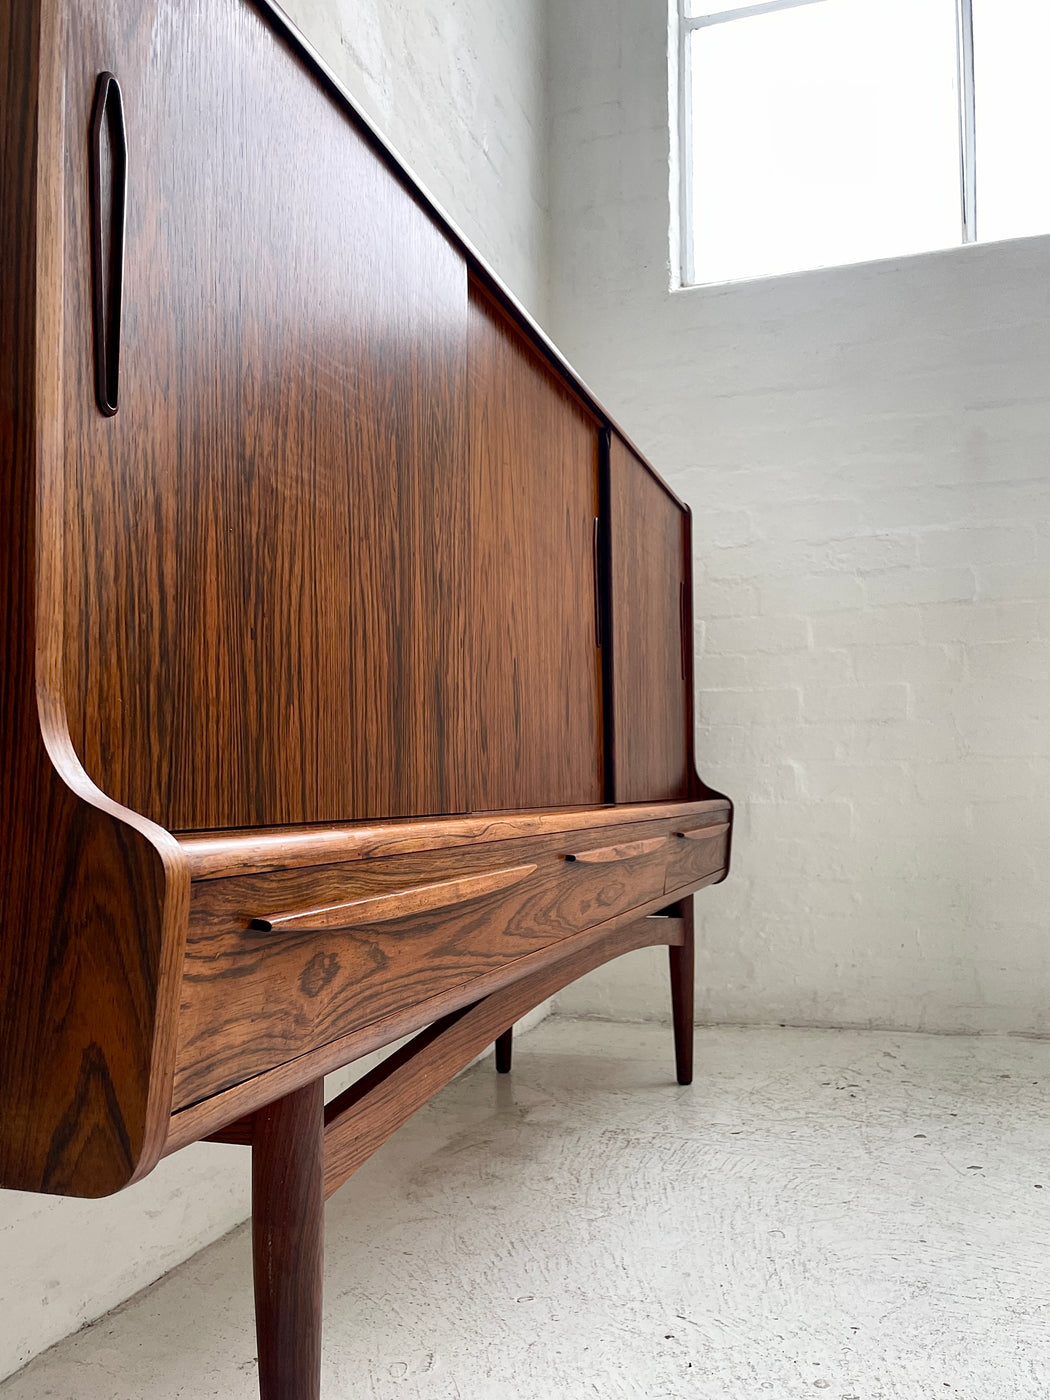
(282,962)
(695,853)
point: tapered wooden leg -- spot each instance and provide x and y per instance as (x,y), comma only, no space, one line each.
(682,964)
(288,1243)
(504,1047)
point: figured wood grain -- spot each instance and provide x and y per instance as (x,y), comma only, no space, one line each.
(651,610)
(476,262)
(364,1116)
(625,850)
(253,999)
(375,909)
(288,1243)
(216,855)
(689,861)
(210,1114)
(92,898)
(534,476)
(266,532)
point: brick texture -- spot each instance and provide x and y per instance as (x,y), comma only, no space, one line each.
(867,454)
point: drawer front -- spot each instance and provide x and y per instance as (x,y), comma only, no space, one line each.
(696,852)
(284,962)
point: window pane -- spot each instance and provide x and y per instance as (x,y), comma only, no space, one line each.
(1011,42)
(822,135)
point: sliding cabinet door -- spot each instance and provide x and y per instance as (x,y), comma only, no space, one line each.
(651,650)
(534,469)
(265,543)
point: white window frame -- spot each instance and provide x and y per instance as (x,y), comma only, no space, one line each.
(734,11)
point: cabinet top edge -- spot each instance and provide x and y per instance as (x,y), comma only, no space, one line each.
(273,14)
(213,855)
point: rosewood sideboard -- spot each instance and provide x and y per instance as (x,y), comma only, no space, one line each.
(347,667)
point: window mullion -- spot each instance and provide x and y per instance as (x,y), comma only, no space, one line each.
(685,148)
(967,121)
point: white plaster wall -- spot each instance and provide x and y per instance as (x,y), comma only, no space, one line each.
(459,89)
(867,454)
(64,1262)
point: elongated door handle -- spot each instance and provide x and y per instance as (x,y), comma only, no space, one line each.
(704,833)
(626,850)
(380,908)
(108,210)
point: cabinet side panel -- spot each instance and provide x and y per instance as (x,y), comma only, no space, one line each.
(651,659)
(270,527)
(91,904)
(534,472)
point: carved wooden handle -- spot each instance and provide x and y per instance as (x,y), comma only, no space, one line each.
(704,833)
(608,855)
(107,262)
(379,908)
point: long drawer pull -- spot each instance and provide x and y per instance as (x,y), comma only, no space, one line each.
(704,833)
(608,855)
(379,908)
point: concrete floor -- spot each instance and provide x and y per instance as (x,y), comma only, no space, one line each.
(862,1216)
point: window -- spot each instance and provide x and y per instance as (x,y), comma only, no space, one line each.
(819,132)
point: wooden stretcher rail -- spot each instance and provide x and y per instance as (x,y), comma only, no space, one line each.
(362,1118)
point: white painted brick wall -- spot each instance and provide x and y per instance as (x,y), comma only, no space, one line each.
(867,454)
(459,89)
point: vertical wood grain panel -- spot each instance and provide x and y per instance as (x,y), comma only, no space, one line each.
(270,526)
(648,542)
(534,473)
(92,903)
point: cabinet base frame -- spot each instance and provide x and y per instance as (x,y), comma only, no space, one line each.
(304,1150)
